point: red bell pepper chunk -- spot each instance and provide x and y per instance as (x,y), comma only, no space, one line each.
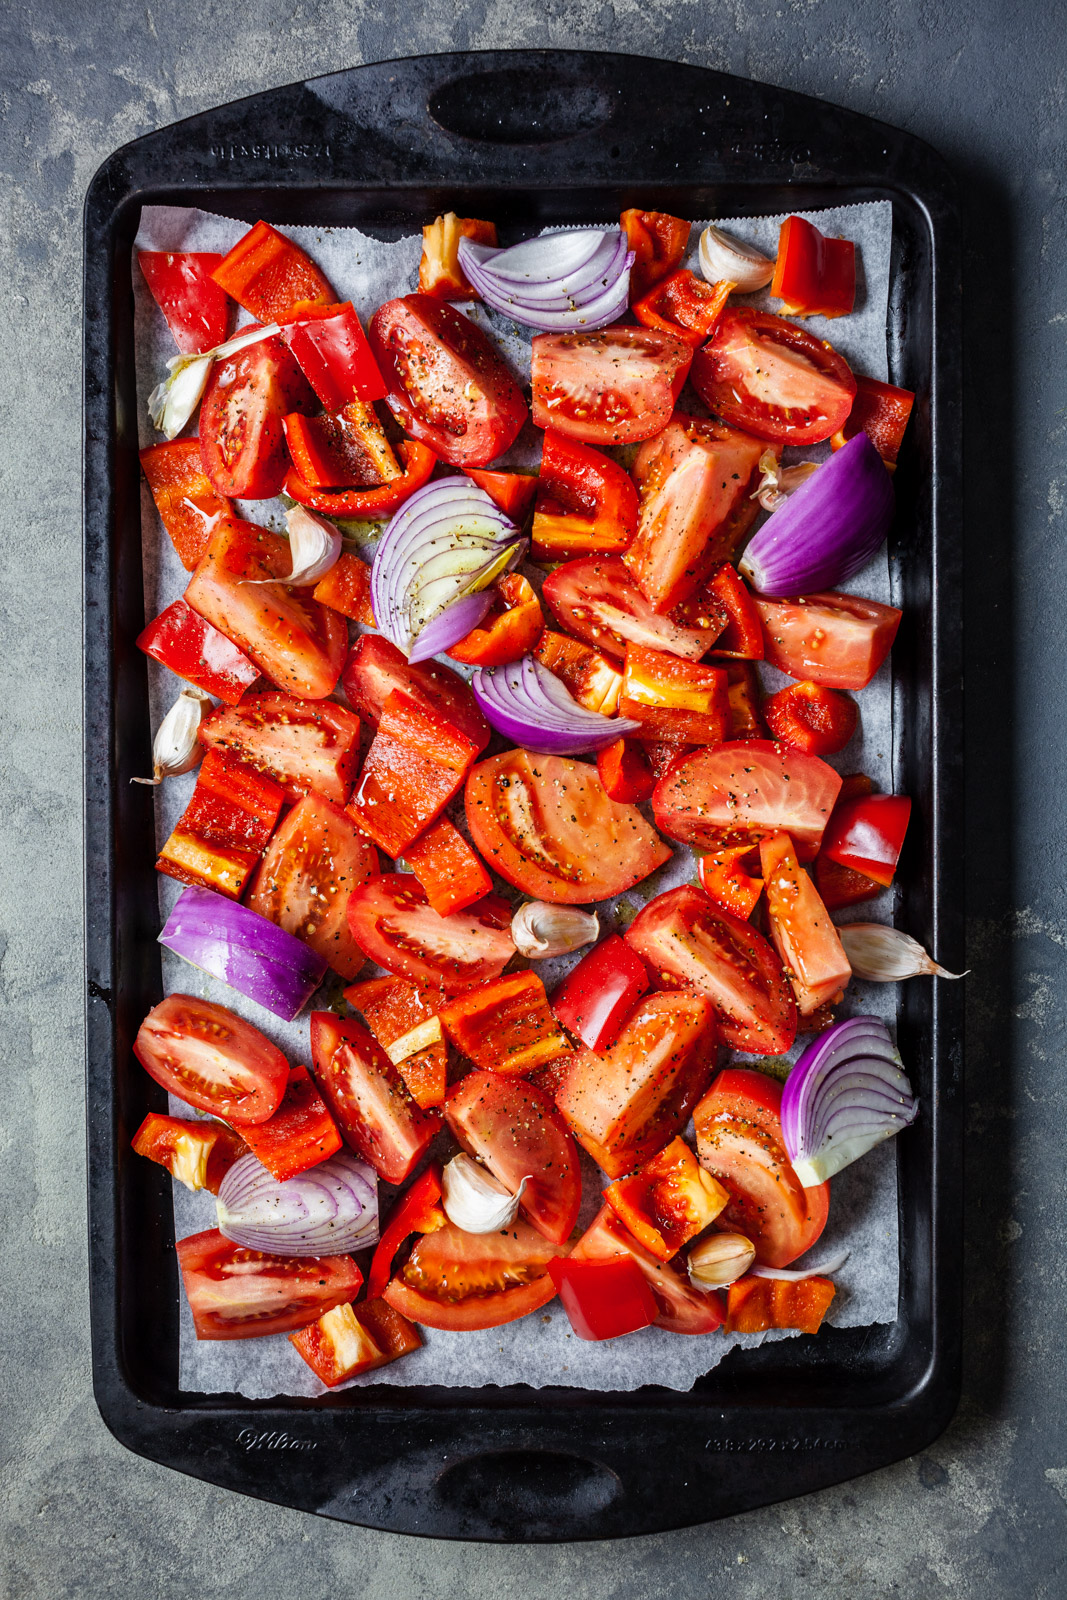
(346,588)
(196,308)
(593,680)
(352,1339)
(743,635)
(513,492)
(658,242)
(396,1010)
(813,275)
(585,502)
(415,765)
(375,667)
(604,1299)
(440,273)
(448,868)
(505,1026)
(224,829)
(379,501)
(185,497)
(867,835)
(305,745)
(746,717)
(196,1151)
(299,1135)
(595,999)
(684,305)
(881,412)
(723,876)
(334,356)
(182,640)
(417,1211)
(624,771)
(840,886)
(756,1304)
(509,631)
(346,449)
(815,719)
(270,276)
(675,699)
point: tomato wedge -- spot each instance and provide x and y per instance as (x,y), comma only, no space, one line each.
(800,928)
(771,378)
(837,640)
(447,384)
(237,1293)
(303,744)
(687,941)
(610,386)
(596,599)
(394,924)
(212,1059)
(546,825)
(517,1131)
(369,1100)
(680,1307)
(242,440)
(461,1281)
(375,667)
(310,868)
(739,1141)
(740,791)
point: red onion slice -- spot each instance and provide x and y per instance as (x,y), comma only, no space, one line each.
(846,1094)
(332,1209)
(527,703)
(579,278)
(238,946)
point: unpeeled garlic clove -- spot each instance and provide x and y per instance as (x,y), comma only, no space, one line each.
(540,930)
(878,954)
(725,258)
(314,546)
(476,1201)
(720,1259)
(176,748)
(778,482)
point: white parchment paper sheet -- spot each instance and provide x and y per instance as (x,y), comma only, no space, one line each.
(540,1349)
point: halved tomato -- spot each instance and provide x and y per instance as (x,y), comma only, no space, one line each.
(546,825)
(242,440)
(460,1281)
(837,640)
(682,1309)
(609,386)
(625,1103)
(771,378)
(375,667)
(237,1293)
(596,599)
(740,791)
(370,1101)
(739,1141)
(304,744)
(448,386)
(695,482)
(689,942)
(310,868)
(394,924)
(517,1131)
(212,1059)
(240,588)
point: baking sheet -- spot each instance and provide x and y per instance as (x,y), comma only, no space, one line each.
(539,1350)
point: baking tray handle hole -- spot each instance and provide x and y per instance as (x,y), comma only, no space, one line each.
(549,1488)
(506,107)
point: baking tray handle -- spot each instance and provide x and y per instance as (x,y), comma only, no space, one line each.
(551,1493)
(504,105)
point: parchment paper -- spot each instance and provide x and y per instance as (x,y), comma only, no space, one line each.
(540,1349)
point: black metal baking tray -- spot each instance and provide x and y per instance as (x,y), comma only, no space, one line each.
(528,136)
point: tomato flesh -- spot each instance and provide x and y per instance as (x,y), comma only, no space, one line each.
(837,640)
(393,924)
(368,1098)
(238,1293)
(817,720)
(773,379)
(375,667)
(740,791)
(303,744)
(610,386)
(800,928)
(596,599)
(212,1059)
(242,439)
(462,1281)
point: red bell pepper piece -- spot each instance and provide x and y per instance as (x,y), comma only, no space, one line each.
(882,413)
(658,242)
(352,1339)
(440,273)
(743,635)
(299,1135)
(813,275)
(624,771)
(380,501)
(684,305)
(595,999)
(675,699)
(668,1201)
(448,868)
(505,1026)
(269,275)
(224,829)
(815,719)
(417,1211)
(662,755)
(840,886)
(375,667)
(196,1151)
(196,309)
(346,588)
(416,763)
(746,717)
(867,835)
(756,1304)
(334,356)
(341,450)
(513,492)
(182,640)
(185,497)
(723,876)
(585,502)
(603,1299)
(394,1009)
(305,745)
(509,631)
(593,680)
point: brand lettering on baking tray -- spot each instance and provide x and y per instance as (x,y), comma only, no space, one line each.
(269,152)
(771,152)
(784,1446)
(251,1440)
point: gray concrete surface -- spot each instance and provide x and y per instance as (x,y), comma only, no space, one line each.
(984,1511)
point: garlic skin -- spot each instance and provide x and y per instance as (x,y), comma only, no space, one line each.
(878,954)
(476,1201)
(722,256)
(719,1259)
(315,545)
(176,748)
(821,1269)
(777,482)
(540,930)
(173,401)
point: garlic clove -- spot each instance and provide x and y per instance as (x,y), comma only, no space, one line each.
(878,954)
(540,930)
(176,748)
(778,482)
(314,545)
(723,257)
(719,1259)
(172,402)
(476,1201)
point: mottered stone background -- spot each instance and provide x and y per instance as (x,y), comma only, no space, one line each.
(983,1512)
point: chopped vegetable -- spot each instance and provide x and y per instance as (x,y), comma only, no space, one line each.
(270,275)
(585,501)
(684,305)
(176,748)
(299,1135)
(846,1094)
(448,869)
(332,351)
(223,830)
(352,1339)
(604,1299)
(329,1209)
(754,1304)
(199,653)
(506,1025)
(529,705)
(302,744)
(439,270)
(724,258)
(658,242)
(197,1153)
(370,1102)
(196,308)
(238,1293)
(245,950)
(185,498)
(667,1201)
(813,275)
(867,835)
(405,1019)
(575,279)
(600,993)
